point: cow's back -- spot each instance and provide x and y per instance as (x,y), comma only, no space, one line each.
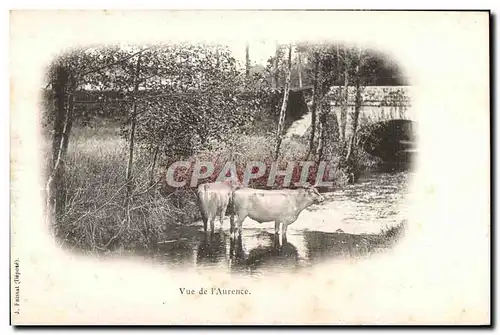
(264,205)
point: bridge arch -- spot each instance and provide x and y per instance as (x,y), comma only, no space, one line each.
(393,141)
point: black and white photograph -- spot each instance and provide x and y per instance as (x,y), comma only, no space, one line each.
(124,123)
(176,170)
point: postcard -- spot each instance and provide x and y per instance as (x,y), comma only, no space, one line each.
(181,167)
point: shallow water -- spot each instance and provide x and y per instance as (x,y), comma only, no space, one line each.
(348,224)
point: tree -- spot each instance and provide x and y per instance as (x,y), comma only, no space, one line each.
(63,83)
(133,115)
(314,102)
(359,61)
(179,98)
(343,95)
(279,135)
(276,66)
(247,61)
(299,68)
(64,76)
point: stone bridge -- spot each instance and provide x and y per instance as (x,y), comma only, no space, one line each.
(386,127)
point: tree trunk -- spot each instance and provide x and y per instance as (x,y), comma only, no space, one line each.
(131,152)
(153,165)
(313,106)
(321,132)
(357,109)
(340,96)
(69,124)
(63,85)
(217,57)
(299,68)
(345,101)
(284,105)
(276,70)
(247,63)
(133,116)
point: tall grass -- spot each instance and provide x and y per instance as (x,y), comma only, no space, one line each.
(95,218)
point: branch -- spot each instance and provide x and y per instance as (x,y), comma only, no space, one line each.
(115,236)
(147,190)
(116,62)
(109,200)
(162,95)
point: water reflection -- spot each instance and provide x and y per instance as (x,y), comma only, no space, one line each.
(175,252)
(274,254)
(321,245)
(349,225)
(212,248)
(237,258)
(271,250)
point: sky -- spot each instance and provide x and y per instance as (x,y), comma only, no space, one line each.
(260,51)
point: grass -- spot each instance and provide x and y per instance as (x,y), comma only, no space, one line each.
(95,215)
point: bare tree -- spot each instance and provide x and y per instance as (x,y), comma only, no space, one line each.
(133,121)
(314,103)
(299,67)
(344,98)
(247,62)
(321,130)
(63,84)
(276,65)
(279,136)
(357,103)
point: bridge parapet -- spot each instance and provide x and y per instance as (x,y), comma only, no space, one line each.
(379,103)
(375,95)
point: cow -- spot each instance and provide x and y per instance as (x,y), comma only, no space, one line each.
(213,199)
(280,206)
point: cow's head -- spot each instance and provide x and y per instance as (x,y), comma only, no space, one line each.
(314,195)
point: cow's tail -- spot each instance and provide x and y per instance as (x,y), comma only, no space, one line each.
(232,207)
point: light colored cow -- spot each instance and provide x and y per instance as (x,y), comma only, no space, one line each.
(213,200)
(280,206)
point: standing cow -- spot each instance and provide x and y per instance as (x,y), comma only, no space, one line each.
(213,200)
(280,206)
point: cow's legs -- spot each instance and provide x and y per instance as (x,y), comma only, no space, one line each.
(211,221)
(221,215)
(205,221)
(286,224)
(277,227)
(232,223)
(284,229)
(212,224)
(283,238)
(276,241)
(239,224)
